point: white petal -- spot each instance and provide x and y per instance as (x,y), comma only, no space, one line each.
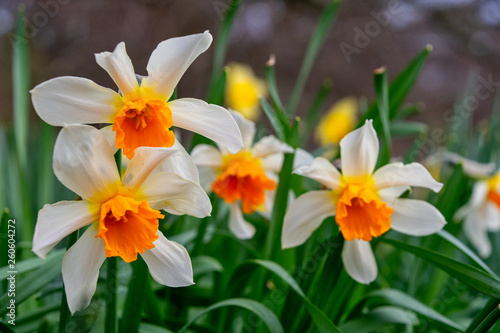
(270,145)
(415,217)
(169,263)
(392,192)
(119,67)
(322,171)
(206,156)
(80,269)
(272,162)
(170,59)
(237,224)
(359,261)
(59,220)
(180,163)
(359,151)
(492,216)
(84,163)
(302,158)
(479,194)
(110,136)
(305,215)
(207,177)
(74,100)
(398,174)
(212,121)
(168,191)
(146,159)
(475,231)
(247,128)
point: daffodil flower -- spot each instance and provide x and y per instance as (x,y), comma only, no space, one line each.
(482,214)
(122,214)
(141,113)
(245,177)
(365,203)
(243,90)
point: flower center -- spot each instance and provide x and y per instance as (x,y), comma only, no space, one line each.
(242,178)
(360,212)
(143,122)
(493,195)
(127,227)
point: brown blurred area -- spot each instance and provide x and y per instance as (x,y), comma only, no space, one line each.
(465,35)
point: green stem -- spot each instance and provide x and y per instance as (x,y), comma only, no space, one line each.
(110,320)
(65,315)
(135,297)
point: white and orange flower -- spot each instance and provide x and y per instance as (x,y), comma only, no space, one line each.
(247,177)
(482,213)
(141,113)
(365,203)
(122,213)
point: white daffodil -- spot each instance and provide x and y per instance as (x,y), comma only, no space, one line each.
(482,213)
(249,176)
(122,214)
(365,203)
(140,113)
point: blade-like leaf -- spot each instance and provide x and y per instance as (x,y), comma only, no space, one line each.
(374,320)
(469,275)
(266,315)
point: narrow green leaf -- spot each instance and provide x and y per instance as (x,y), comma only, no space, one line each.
(217,89)
(222,40)
(325,22)
(407,128)
(409,110)
(378,318)
(31,264)
(489,321)
(469,275)
(276,118)
(205,264)
(382,92)
(149,328)
(399,87)
(323,323)
(45,175)
(272,86)
(449,196)
(20,88)
(398,298)
(35,281)
(65,313)
(266,315)
(489,307)
(468,252)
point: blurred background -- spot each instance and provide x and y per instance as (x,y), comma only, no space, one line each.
(465,35)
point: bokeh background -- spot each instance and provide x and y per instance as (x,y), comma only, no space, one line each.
(465,35)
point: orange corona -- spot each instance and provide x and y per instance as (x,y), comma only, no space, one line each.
(243,178)
(127,227)
(143,122)
(360,212)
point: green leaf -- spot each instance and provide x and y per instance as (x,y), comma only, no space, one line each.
(378,318)
(489,307)
(469,275)
(323,323)
(35,281)
(272,86)
(325,22)
(276,118)
(401,299)
(266,315)
(407,128)
(30,264)
(217,89)
(468,252)
(135,297)
(313,115)
(205,264)
(399,87)
(149,328)
(382,92)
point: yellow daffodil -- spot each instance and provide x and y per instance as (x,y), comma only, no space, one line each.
(122,213)
(365,203)
(247,177)
(243,90)
(338,121)
(140,113)
(482,213)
